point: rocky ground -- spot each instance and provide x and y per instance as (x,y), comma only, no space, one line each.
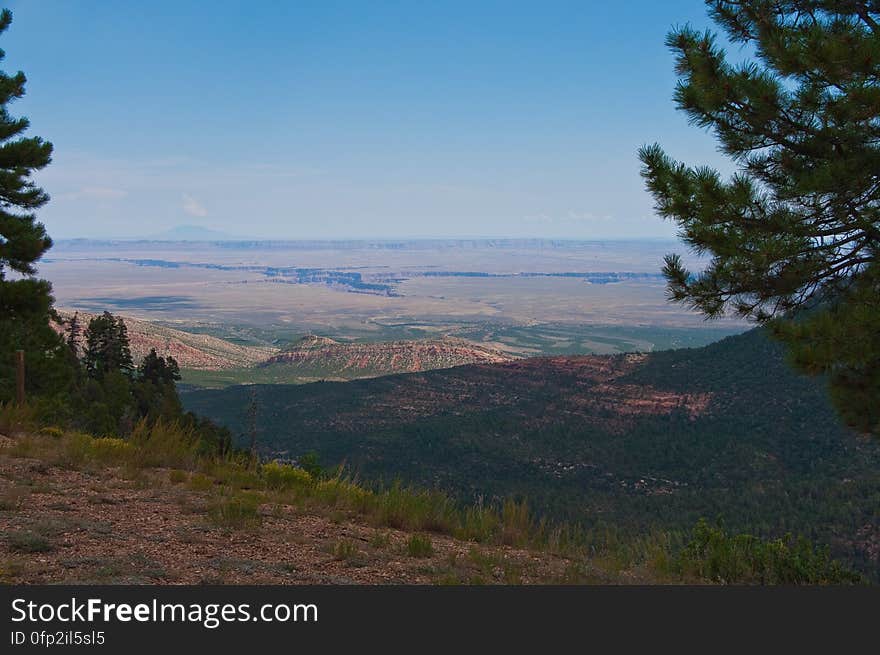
(151,526)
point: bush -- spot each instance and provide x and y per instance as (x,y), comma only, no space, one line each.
(517,524)
(164,444)
(311,464)
(29,542)
(282,477)
(176,476)
(419,546)
(346,550)
(479,523)
(411,509)
(16,418)
(111,450)
(200,482)
(235,512)
(715,556)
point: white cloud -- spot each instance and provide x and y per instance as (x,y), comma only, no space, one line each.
(193,207)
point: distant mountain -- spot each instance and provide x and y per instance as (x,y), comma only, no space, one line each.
(192,351)
(193,233)
(622,443)
(322,358)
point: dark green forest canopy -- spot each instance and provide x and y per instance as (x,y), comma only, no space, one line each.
(768,454)
(793,237)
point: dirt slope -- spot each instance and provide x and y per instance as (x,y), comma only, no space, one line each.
(192,351)
(106,526)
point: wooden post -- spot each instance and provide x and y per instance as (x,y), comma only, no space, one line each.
(19,376)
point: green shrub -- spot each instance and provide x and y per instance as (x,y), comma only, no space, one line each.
(111,450)
(12,500)
(517,525)
(235,512)
(310,463)
(15,418)
(164,443)
(29,542)
(345,549)
(342,493)
(479,524)
(419,545)
(76,448)
(52,431)
(10,569)
(200,482)
(411,509)
(176,476)
(234,475)
(717,557)
(283,477)
(380,540)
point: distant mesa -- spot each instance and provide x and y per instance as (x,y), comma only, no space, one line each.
(310,358)
(315,355)
(310,342)
(193,233)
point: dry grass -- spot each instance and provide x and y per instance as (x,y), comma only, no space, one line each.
(68,487)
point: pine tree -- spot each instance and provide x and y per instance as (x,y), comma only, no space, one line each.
(154,389)
(25,302)
(74,334)
(24,239)
(159,370)
(121,348)
(253,411)
(107,347)
(793,236)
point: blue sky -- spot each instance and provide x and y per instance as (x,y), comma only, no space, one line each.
(352,119)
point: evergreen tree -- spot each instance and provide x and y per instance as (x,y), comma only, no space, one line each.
(155,391)
(74,334)
(25,302)
(121,348)
(107,347)
(24,239)
(253,412)
(793,236)
(159,370)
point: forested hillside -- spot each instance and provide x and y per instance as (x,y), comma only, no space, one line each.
(624,443)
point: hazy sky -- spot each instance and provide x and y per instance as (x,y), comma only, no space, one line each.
(352,119)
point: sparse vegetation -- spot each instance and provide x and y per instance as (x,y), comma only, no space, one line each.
(28,541)
(280,477)
(11,500)
(235,491)
(419,545)
(346,550)
(237,511)
(176,476)
(621,451)
(380,540)
(714,555)
(10,569)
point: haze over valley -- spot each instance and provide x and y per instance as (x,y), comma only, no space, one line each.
(522,297)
